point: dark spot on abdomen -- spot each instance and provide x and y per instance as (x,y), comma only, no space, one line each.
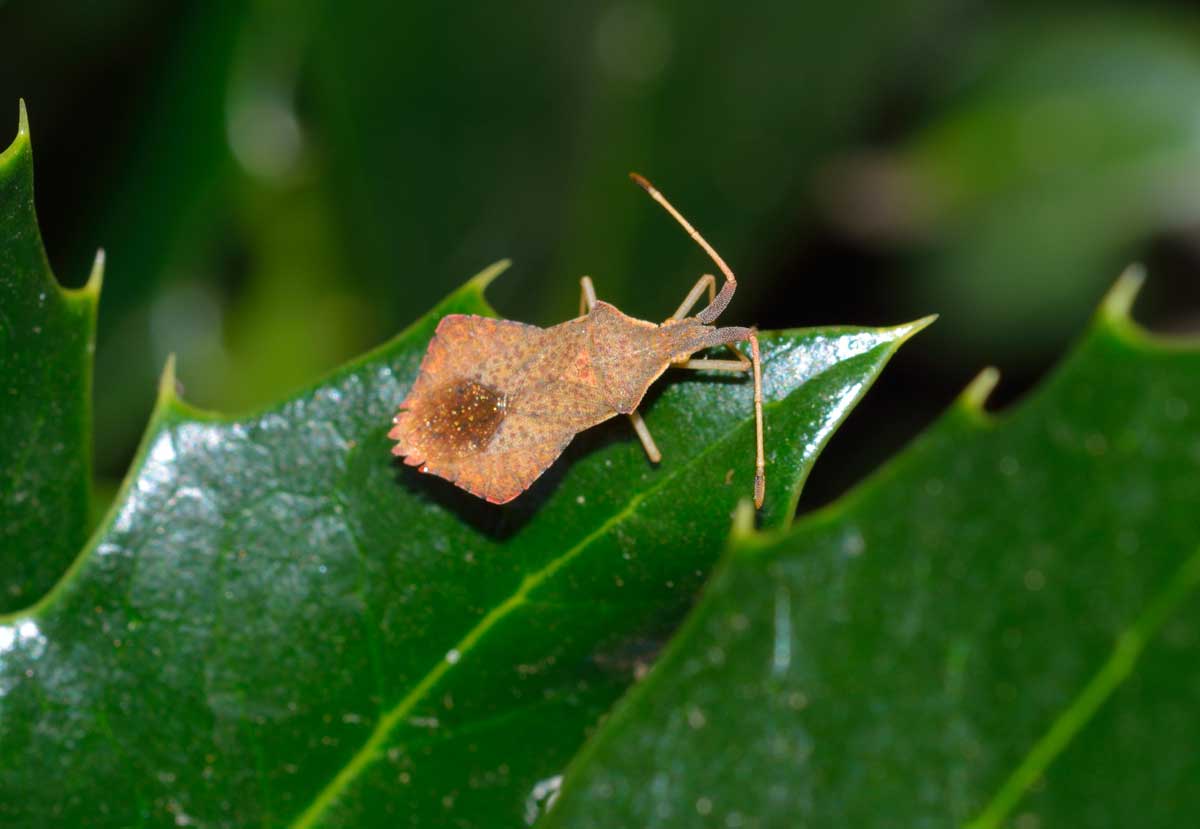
(461,417)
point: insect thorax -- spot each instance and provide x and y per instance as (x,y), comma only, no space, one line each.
(628,354)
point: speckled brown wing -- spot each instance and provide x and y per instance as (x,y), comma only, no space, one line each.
(494,404)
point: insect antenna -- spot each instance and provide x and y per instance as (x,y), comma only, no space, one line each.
(709,314)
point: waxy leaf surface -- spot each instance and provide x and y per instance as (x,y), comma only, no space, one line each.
(45,388)
(279,624)
(999,629)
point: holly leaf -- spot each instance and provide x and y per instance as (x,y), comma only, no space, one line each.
(279,623)
(999,629)
(46,336)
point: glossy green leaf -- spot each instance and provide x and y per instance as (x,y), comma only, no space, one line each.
(45,388)
(279,624)
(999,629)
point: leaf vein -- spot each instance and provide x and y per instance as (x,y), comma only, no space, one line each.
(1103,684)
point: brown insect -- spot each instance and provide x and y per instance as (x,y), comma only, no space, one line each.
(495,401)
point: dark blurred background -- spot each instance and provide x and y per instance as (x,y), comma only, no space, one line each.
(281,185)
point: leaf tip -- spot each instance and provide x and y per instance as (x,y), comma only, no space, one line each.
(911,329)
(977,392)
(96,278)
(167,382)
(1118,302)
(488,275)
(22,137)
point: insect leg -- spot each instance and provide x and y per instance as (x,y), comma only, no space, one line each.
(643,433)
(587,299)
(710,282)
(742,363)
(728,336)
(760,462)
(707,281)
(704,364)
(587,294)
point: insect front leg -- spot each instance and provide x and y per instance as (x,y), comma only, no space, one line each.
(760,461)
(708,281)
(742,363)
(729,336)
(587,300)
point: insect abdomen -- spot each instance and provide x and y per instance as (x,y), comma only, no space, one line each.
(461,417)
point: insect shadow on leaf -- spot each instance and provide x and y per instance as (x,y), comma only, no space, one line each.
(496,401)
(502,522)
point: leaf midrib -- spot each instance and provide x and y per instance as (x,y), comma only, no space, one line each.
(1084,706)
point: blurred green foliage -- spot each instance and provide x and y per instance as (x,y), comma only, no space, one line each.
(281,185)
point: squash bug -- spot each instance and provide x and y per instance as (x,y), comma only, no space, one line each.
(496,402)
